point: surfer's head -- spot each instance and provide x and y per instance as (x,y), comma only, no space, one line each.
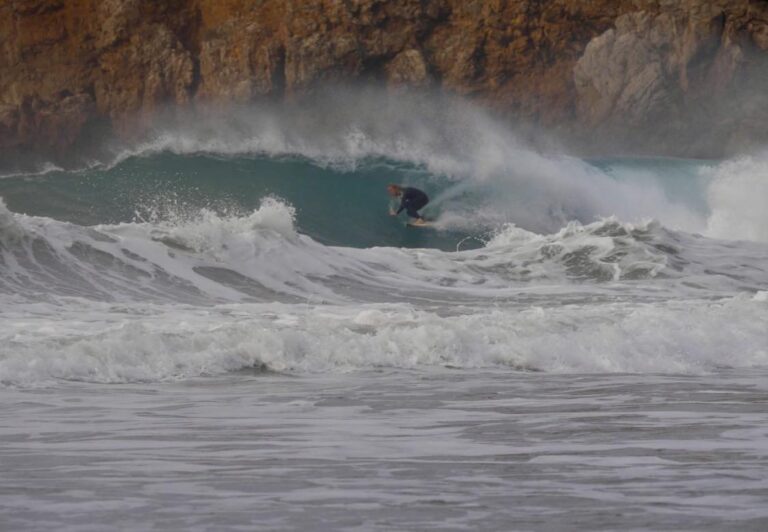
(394,190)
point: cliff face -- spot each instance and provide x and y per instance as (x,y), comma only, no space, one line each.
(74,68)
(691,73)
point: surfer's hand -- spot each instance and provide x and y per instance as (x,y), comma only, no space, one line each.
(392,213)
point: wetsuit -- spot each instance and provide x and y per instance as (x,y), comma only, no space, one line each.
(411,201)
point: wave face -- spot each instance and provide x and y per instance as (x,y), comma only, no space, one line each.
(261,241)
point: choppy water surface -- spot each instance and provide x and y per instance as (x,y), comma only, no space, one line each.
(223,329)
(391,450)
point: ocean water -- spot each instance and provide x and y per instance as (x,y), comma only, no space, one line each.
(221,328)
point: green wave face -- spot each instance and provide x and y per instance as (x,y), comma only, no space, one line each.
(336,206)
(343,205)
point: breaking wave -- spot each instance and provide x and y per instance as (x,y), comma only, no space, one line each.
(205,257)
(255,241)
(151,344)
(209,294)
(481,172)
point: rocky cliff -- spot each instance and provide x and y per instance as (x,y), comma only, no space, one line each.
(650,70)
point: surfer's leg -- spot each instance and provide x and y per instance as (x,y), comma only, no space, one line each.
(414,207)
(413,213)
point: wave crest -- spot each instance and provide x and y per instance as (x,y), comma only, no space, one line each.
(11,231)
(206,231)
(608,250)
(661,337)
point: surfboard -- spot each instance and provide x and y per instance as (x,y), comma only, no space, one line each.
(427,223)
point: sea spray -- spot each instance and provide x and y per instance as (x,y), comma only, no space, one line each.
(478,171)
(737,195)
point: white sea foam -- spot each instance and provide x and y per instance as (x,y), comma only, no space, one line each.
(157,301)
(207,257)
(183,292)
(10,229)
(151,343)
(161,260)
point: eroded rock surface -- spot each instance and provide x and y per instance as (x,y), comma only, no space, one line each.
(692,69)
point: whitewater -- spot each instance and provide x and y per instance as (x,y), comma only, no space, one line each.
(221,327)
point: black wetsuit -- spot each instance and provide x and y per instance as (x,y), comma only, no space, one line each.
(411,201)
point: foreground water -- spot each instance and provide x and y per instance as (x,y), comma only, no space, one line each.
(222,329)
(391,450)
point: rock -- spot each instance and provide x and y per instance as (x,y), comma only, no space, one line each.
(238,74)
(9,124)
(408,68)
(673,75)
(162,71)
(758,30)
(598,64)
(621,73)
(119,18)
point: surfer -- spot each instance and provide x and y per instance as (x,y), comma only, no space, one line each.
(411,200)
